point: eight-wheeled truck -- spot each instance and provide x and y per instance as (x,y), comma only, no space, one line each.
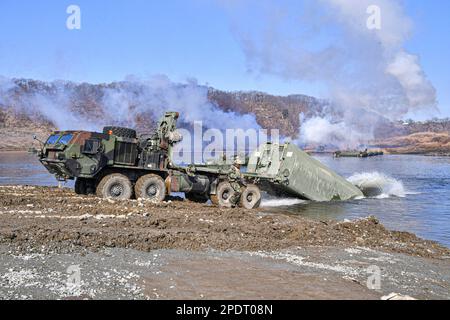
(118,164)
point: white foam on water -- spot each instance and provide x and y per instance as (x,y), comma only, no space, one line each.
(280,202)
(378,185)
(373,184)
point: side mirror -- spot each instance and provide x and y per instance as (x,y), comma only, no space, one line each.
(36,138)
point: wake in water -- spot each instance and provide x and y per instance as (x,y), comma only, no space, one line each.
(280,202)
(378,185)
(372,184)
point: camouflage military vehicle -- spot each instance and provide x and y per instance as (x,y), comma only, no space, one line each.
(114,163)
(118,164)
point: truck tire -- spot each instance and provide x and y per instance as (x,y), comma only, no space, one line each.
(151,187)
(251,197)
(197,197)
(120,132)
(80,186)
(90,186)
(223,195)
(115,186)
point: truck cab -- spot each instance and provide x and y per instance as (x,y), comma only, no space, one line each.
(66,154)
(116,162)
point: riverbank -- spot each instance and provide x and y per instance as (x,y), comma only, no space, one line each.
(254,246)
(21,139)
(421,143)
(62,220)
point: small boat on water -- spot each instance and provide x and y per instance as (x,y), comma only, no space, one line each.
(358,154)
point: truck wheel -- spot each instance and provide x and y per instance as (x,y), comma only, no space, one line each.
(197,197)
(116,186)
(90,186)
(80,186)
(224,194)
(251,197)
(151,187)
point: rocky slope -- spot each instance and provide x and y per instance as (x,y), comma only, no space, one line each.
(431,143)
(270,111)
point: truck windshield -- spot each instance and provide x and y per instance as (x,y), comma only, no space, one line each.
(65,139)
(53,138)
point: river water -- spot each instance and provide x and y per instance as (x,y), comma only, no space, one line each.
(416,191)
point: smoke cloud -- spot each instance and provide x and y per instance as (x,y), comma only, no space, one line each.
(82,106)
(328,42)
(47,101)
(317,130)
(159,94)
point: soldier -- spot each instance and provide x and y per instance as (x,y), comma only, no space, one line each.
(236,180)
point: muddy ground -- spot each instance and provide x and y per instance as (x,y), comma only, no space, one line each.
(297,273)
(202,251)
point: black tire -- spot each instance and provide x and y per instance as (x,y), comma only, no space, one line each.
(120,132)
(80,186)
(151,187)
(90,186)
(197,197)
(224,194)
(115,186)
(251,197)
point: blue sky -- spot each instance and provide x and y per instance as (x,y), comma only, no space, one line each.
(180,38)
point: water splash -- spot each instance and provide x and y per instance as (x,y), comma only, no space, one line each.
(378,185)
(280,202)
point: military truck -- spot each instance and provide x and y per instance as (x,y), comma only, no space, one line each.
(118,164)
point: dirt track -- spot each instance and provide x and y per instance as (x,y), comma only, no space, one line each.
(60,220)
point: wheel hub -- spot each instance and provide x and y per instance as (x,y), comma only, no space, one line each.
(225,195)
(152,190)
(116,190)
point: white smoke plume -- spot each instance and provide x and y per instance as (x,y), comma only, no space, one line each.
(317,130)
(158,94)
(52,101)
(327,42)
(120,103)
